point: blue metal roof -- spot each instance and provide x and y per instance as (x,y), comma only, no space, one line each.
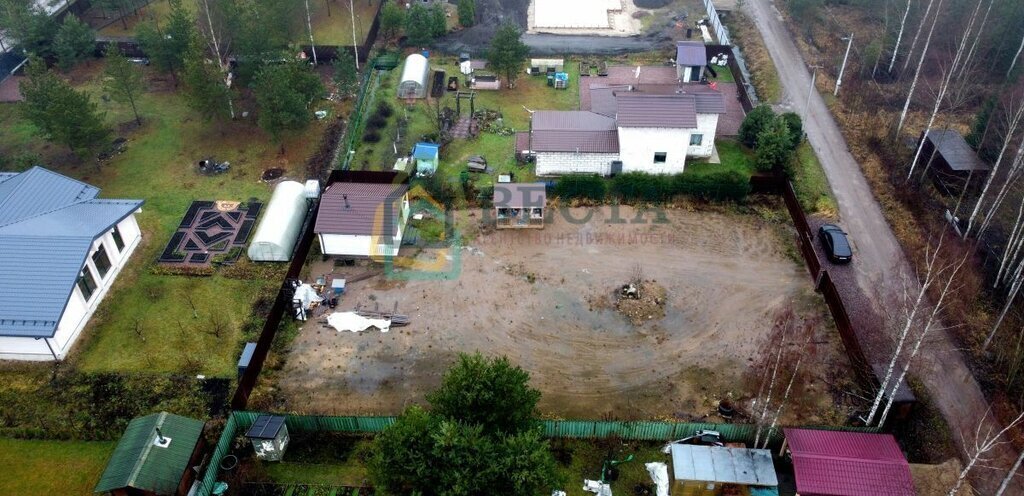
(425,151)
(48,223)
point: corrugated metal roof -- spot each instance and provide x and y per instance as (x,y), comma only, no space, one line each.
(571,120)
(848,463)
(954,148)
(425,151)
(691,53)
(575,141)
(139,463)
(520,195)
(656,111)
(724,465)
(360,209)
(50,222)
(706,99)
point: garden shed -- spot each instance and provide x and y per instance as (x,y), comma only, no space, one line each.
(279,229)
(414,77)
(834,463)
(154,457)
(718,470)
(519,205)
(949,154)
(269,437)
(427,156)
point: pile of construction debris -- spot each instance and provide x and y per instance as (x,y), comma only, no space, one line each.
(641,302)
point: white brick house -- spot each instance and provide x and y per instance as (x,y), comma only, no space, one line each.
(627,131)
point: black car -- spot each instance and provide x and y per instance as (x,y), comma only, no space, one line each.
(836,246)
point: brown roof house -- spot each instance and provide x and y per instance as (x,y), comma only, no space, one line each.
(362,220)
(628,129)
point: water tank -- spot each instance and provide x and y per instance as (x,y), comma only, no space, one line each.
(312,189)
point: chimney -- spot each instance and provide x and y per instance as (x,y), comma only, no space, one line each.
(346,200)
(160,436)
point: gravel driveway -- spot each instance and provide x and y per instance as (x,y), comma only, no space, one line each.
(879,257)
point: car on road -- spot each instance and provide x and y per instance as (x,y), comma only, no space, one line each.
(836,246)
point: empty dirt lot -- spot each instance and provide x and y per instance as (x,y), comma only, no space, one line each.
(541,298)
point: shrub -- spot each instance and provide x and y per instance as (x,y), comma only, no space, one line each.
(643,187)
(587,187)
(774,146)
(718,186)
(795,126)
(385,110)
(376,121)
(371,136)
(754,123)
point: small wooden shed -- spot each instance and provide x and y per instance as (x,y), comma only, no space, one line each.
(269,437)
(154,457)
(949,154)
(519,205)
(720,471)
(427,157)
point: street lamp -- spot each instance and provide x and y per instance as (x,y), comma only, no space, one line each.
(839,80)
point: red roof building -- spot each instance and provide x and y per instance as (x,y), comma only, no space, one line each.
(832,463)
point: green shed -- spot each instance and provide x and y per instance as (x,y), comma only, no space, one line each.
(154,457)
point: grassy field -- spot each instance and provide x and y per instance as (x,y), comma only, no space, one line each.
(155,11)
(810,183)
(734,156)
(158,166)
(332,21)
(30,466)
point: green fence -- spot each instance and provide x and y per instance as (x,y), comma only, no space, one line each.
(239,421)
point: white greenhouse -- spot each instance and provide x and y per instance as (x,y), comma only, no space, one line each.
(414,77)
(282,220)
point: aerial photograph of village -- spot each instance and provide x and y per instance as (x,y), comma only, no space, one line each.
(512,247)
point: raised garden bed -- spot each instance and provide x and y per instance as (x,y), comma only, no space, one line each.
(211,232)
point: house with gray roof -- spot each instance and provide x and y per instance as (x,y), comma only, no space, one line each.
(61,247)
(362,219)
(651,129)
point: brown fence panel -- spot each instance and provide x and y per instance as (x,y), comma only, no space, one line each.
(853,349)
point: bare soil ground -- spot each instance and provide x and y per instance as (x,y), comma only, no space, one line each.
(527,295)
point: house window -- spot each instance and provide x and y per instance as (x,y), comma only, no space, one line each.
(696,139)
(660,157)
(101,261)
(118,240)
(86,283)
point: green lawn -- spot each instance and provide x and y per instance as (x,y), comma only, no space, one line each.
(734,156)
(52,467)
(588,457)
(158,166)
(349,474)
(810,183)
(155,11)
(336,28)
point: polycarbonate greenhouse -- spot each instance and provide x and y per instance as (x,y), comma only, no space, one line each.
(282,220)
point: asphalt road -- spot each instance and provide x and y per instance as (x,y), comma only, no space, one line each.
(880,261)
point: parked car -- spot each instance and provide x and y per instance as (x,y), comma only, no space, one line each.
(836,246)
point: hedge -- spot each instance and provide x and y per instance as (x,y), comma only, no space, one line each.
(580,186)
(721,185)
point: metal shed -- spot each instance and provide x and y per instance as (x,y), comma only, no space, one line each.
(414,77)
(709,470)
(519,205)
(279,229)
(153,457)
(269,436)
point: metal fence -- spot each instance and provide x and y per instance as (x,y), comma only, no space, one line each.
(716,23)
(238,421)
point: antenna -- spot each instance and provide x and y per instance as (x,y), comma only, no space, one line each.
(346,200)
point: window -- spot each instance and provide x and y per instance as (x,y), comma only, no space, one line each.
(660,157)
(696,139)
(101,261)
(86,283)
(118,240)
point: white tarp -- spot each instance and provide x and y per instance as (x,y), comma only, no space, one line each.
(353,322)
(573,14)
(597,487)
(659,475)
(305,295)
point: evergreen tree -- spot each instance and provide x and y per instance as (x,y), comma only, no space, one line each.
(75,41)
(61,114)
(438,21)
(123,80)
(283,94)
(419,25)
(508,53)
(392,19)
(467,13)
(205,90)
(754,123)
(168,43)
(774,146)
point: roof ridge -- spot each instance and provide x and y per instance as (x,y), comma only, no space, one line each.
(40,170)
(886,461)
(145,451)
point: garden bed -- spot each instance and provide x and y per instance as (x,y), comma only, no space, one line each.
(211,232)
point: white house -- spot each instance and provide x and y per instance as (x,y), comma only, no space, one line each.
(362,220)
(60,250)
(629,129)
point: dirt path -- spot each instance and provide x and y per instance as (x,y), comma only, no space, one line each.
(879,256)
(542,299)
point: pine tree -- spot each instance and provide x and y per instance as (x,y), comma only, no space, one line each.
(123,81)
(75,41)
(508,53)
(467,13)
(60,113)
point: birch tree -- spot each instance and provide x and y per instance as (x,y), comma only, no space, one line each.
(1016,56)
(1009,476)
(917,72)
(917,34)
(974,45)
(982,447)
(957,60)
(899,37)
(1012,174)
(1015,119)
(309,27)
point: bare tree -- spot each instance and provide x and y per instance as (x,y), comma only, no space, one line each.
(982,446)
(1009,476)
(899,37)
(920,62)
(1016,166)
(782,324)
(974,45)
(957,60)
(309,27)
(1015,119)
(917,35)
(794,339)
(1016,56)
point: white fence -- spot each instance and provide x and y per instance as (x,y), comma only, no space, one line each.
(716,24)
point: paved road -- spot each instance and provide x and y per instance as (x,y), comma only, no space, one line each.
(879,256)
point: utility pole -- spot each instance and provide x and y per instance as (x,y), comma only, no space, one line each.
(355,47)
(814,75)
(839,80)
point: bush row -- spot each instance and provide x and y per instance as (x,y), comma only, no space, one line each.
(643,187)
